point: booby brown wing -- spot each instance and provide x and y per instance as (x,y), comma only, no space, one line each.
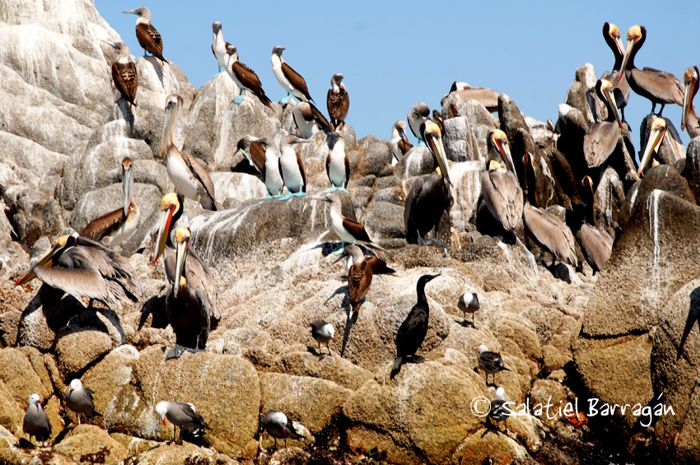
(125,80)
(338,104)
(378,265)
(356,230)
(296,80)
(320,118)
(551,232)
(104,225)
(359,281)
(257,154)
(250,81)
(656,84)
(503,197)
(202,175)
(149,38)
(600,142)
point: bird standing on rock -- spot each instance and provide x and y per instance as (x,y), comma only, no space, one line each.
(491,362)
(413,330)
(468,303)
(147,35)
(359,279)
(291,81)
(79,399)
(124,73)
(337,162)
(337,101)
(322,333)
(182,416)
(347,230)
(36,423)
(279,426)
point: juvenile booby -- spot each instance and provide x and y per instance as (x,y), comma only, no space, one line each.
(658,86)
(689,120)
(469,303)
(244,77)
(551,232)
(84,268)
(337,101)
(308,119)
(292,166)
(418,114)
(399,141)
(277,425)
(603,137)
(147,35)
(621,92)
(190,178)
(36,423)
(124,73)
(288,78)
(183,416)
(337,162)
(79,400)
(491,362)
(413,330)
(264,158)
(116,227)
(218,45)
(347,230)
(323,333)
(359,279)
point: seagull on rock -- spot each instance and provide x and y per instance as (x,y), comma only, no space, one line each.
(491,362)
(79,399)
(183,416)
(36,423)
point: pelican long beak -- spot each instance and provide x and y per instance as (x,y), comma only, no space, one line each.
(620,47)
(625,60)
(434,142)
(403,135)
(180,257)
(166,138)
(505,154)
(611,99)
(127,188)
(29,275)
(687,101)
(163,231)
(653,143)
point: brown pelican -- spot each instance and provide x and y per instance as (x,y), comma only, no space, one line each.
(418,114)
(551,232)
(414,328)
(429,197)
(597,245)
(337,162)
(288,78)
(611,34)
(660,140)
(359,279)
(264,158)
(602,138)
(244,77)
(499,185)
(84,268)
(689,119)
(399,141)
(218,46)
(485,96)
(183,416)
(323,333)
(308,118)
(116,227)
(190,178)
(337,101)
(124,73)
(658,86)
(188,305)
(604,201)
(147,35)
(35,422)
(540,186)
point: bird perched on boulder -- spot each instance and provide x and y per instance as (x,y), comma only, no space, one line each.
(148,36)
(322,333)
(36,423)
(279,426)
(359,279)
(79,400)
(413,330)
(468,303)
(337,101)
(490,362)
(183,416)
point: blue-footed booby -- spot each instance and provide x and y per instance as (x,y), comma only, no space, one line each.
(263,156)
(147,35)
(337,162)
(288,78)
(218,45)
(244,77)
(337,101)
(292,166)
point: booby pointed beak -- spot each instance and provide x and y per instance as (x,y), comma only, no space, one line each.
(130,12)
(687,100)
(163,231)
(625,60)
(434,142)
(127,188)
(180,257)
(653,143)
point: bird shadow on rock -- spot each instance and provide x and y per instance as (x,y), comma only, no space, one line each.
(64,314)
(693,317)
(126,111)
(466,323)
(155,307)
(157,67)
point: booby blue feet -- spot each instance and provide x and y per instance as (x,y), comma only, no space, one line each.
(238,99)
(286,196)
(299,194)
(421,144)
(332,188)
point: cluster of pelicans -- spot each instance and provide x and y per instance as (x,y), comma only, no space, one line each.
(516,186)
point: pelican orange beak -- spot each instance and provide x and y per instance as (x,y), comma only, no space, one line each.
(433,138)
(46,261)
(505,155)
(626,58)
(687,100)
(163,231)
(655,138)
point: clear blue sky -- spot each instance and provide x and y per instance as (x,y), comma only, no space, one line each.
(394,54)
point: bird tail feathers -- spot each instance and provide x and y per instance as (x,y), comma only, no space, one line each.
(397,367)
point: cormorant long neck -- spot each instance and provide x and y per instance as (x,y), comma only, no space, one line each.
(422,299)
